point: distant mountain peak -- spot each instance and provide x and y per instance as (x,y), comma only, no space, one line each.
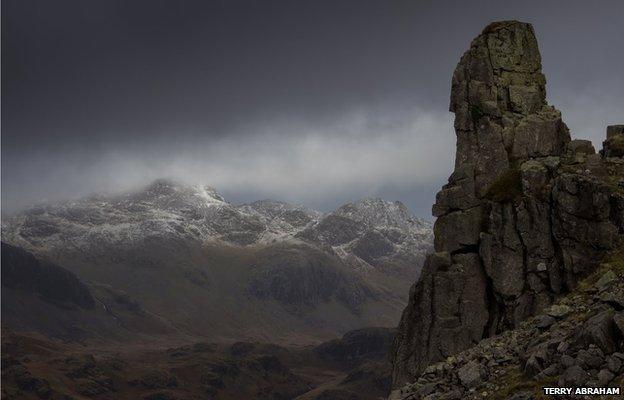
(170,193)
(209,193)
(171,209)
(377,212)
(266,260)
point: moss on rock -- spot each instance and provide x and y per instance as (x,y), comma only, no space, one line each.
(506,187)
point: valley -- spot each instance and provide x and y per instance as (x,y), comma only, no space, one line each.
(355,366)
(170,292)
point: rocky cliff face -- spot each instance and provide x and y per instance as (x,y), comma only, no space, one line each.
(526,213)
(577,342)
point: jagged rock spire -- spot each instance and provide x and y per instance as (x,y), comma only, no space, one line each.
(498,96)
(515,228)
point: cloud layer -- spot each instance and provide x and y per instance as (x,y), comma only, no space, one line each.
(403,156)
(311,102)
(361,154)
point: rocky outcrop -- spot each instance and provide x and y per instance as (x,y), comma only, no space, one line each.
(577,342)
(614,145)
(526,213)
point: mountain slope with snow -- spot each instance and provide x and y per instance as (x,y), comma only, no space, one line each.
(267,270)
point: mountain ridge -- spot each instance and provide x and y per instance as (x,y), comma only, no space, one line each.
(198,213)
(267,265)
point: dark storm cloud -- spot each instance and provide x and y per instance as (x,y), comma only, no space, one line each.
(313,102)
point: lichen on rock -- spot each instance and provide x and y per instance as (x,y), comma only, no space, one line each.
(525,215)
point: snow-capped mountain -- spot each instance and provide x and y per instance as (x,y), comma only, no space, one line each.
(374,232)
(266,270)
(281,220)
(162,209)
(368,231)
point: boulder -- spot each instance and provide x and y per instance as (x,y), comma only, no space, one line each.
(559,311)
(566,361)
(605,280)
(614,364)
(605,376)
(614,299)
(599,330)
(588,359)
(618,319)
(545,321)
(573,376)
(471,374)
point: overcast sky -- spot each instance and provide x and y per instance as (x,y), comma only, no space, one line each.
(314,102)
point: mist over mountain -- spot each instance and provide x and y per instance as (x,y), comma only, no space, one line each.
(260,101)
(170,246)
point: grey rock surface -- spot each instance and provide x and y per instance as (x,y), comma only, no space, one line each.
(614,145)
(471,374)
(525,215)
(580,348)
